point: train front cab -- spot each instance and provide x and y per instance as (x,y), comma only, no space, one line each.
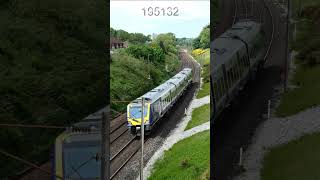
(76,156)
(134,118)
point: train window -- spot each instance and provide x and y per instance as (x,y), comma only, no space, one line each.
(223,85)
(220,87)
(218,94)
(236,68)
(223,90)
(215,89)
(229,78)
(239,68)
(233,75)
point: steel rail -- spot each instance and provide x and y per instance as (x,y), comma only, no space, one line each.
(126,161)
(235,12)
(123,148)
(118,127)
(113,140)
(272,34)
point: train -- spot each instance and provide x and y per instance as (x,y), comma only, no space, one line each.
(157,102)
(76,150)
(236,57)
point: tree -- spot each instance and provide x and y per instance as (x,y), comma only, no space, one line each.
(196,43)
(168,40)
(205,38)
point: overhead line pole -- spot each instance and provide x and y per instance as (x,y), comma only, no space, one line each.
(287,47)
(105,146)
(142,137)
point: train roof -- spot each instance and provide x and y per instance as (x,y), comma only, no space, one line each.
(162,89)
(226,45)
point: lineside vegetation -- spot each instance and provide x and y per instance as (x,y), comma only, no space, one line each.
(187,159)
(53,71)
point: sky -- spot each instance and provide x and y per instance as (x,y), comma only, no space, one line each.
(129,16)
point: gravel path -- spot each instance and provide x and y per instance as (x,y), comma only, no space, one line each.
(178,134)
(274,132)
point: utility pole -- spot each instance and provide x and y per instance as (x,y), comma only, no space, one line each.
(105,142)
(142,137)
(287,46)
(252,7)
(300,8)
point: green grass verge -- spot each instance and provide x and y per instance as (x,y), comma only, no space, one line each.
(303,97)
(204,91)
(296,160)
(188,159)
(200,115)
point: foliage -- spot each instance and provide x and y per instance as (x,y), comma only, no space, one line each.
(129,76)
(200,115)
(308,42)
(169,42)
(53,70)
(296,160)
(185,43)
(187,159)
(204,91)
(307,45)
(203,57)
(130,68)
(305,95)
(203,40)
(154,53)
(134,38)
(196,43)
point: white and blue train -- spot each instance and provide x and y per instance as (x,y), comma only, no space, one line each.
(236,57)
(157,101)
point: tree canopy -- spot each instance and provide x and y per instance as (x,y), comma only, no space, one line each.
(53,69)
(134,38)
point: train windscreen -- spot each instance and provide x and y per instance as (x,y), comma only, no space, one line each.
(80,162)
(135,112)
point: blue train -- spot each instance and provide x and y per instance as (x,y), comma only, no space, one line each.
(157,101)
(236,56)
(77,151)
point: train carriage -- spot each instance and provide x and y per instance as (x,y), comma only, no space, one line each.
(157,101)
(236,57)
(77,150)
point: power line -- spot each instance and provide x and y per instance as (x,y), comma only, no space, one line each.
(28,163)
(120,101)
(67,128)
(33,126)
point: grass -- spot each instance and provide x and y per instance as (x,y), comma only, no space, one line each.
(296,160)
(189,159)
(303,97)
(306,78)
(204,91)
(200,115)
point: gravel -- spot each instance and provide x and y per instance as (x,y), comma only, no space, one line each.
(274,132)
